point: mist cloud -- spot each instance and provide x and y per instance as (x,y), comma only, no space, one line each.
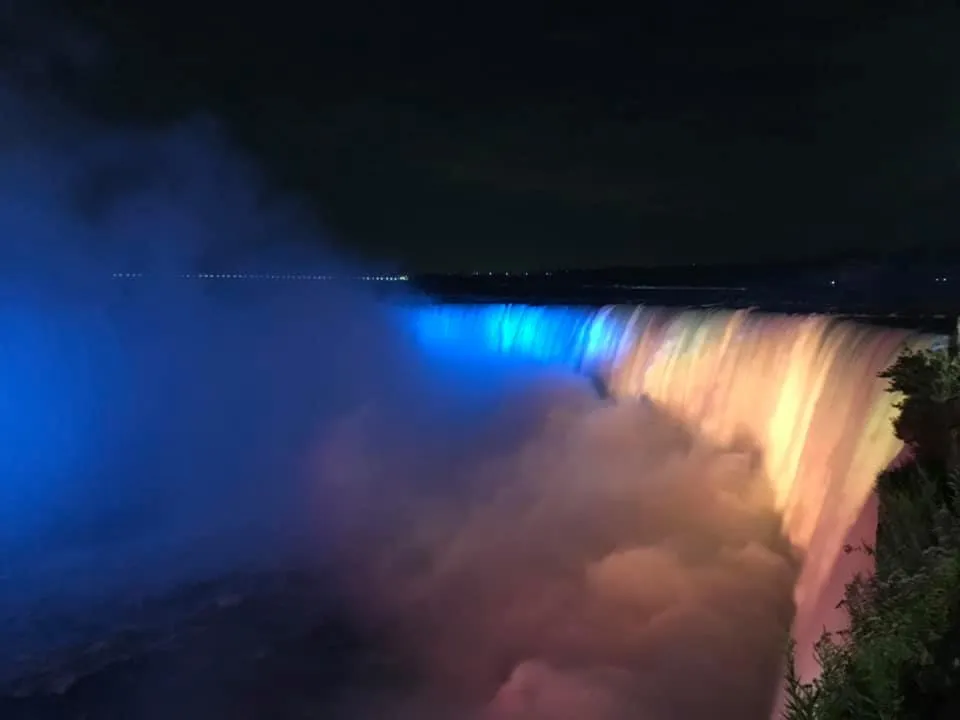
(532,550)
(153,430)
(605,563)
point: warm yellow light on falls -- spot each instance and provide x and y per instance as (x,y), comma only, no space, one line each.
(804,389)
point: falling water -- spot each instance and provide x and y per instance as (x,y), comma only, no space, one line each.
(803,389)
(524,543)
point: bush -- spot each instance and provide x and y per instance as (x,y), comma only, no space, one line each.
(929,383)
(900,657)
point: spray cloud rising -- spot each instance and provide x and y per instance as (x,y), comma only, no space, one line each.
(577,558)
(532,550)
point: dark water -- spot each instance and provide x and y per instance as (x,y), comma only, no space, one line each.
(267,645)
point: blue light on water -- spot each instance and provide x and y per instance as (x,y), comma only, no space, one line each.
(571,337)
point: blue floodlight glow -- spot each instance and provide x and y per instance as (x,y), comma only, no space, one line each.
(37,418)
(59,381)
(563,336)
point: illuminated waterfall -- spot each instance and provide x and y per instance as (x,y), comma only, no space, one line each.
(803,388)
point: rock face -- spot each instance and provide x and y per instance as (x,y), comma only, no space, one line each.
(823,611)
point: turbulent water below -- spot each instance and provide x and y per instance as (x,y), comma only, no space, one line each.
(440,519)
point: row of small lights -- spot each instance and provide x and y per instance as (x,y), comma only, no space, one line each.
(477,273)
(245,276)
(940,279)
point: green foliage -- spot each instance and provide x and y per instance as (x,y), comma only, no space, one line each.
(930,409)
(924,375)
(899,658)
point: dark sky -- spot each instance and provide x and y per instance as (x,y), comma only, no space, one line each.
(459,136)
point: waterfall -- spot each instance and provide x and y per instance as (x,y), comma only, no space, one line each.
(804,390)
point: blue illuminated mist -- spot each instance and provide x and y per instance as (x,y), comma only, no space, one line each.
(525,538)
(150,429)
(164,430)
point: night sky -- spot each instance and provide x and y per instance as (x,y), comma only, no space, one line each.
(466,136)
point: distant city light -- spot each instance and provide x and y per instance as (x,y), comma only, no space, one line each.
(258,276)
(508,273)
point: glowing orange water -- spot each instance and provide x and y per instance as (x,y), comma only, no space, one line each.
(806,391)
